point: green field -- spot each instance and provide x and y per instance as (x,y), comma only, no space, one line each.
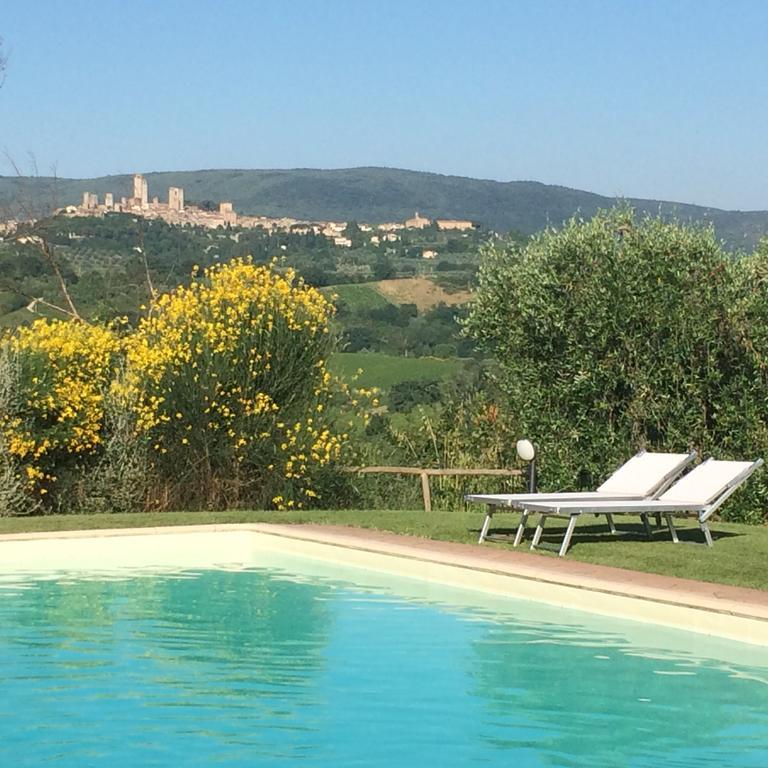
(383,371)
(356,296)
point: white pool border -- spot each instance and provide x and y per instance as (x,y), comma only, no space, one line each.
(710,614)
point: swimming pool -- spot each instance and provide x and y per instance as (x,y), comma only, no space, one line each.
(274,660)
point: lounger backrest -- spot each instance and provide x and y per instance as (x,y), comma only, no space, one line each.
(704,484)
(645,474)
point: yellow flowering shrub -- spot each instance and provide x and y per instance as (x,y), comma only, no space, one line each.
(232,387)
(65,372)
(224,384)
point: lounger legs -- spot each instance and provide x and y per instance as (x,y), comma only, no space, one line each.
(572,524)
(611,526)
(566,539)
(568,533)
(539,530)
(671,526)
(521,529)
(486,525)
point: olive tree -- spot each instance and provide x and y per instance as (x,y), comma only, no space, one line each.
(620,333)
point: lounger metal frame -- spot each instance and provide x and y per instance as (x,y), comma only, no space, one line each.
(573,510)
(518,500)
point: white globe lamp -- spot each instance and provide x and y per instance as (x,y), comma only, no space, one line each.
(527,452)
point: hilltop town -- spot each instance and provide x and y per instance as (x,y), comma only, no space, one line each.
(176,212)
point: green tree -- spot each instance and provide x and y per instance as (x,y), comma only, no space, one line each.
(354,233)
(383,268)
(615,334)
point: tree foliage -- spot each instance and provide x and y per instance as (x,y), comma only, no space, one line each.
(620,333)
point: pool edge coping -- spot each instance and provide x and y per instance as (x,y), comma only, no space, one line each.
(534,572)
(470,562)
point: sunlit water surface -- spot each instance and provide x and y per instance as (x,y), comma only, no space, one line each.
(256,667)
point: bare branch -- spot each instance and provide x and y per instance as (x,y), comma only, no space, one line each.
(46,249)
(3,63)
(27,217)
(141,249)
(27,214)
(32,307)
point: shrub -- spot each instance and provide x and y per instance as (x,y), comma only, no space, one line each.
(615,334)
(233,389)
(15,498)
(120,477)
(64,372)
(404,395)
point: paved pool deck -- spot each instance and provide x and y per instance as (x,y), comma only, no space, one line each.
(675,591)
(726,611)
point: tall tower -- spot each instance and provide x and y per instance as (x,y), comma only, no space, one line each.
(176,198)
(227,211)
(140,190)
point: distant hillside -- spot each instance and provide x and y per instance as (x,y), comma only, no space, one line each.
(383,194)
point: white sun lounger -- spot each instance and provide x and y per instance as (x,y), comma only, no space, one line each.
(644,476)
(699,493)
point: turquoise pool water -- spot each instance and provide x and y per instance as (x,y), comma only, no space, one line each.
(257,667)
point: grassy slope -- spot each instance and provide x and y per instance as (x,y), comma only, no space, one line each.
(738,557)
(421,291)
(386,194)
(380,370)
(357,296)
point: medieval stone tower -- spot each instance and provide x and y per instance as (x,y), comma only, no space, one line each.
(176,198)
(140,190)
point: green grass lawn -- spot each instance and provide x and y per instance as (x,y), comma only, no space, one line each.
(380,370)
(739,556)
(357,296)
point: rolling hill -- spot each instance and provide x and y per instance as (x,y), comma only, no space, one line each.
(384,194)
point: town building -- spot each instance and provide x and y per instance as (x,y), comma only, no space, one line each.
(227,212)
(140,190)
(417,222)
(454,224)
(176,211)
(176,198)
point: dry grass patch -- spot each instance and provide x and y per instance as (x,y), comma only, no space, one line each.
(420,291)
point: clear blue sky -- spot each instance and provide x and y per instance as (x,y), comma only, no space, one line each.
(665,99)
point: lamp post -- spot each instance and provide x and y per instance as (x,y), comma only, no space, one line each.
(527,452)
